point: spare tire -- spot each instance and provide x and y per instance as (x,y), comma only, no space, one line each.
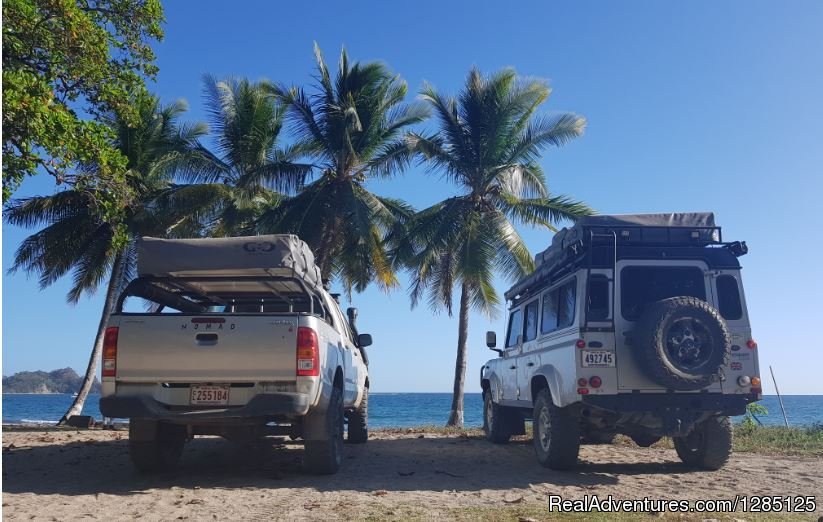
(682,343)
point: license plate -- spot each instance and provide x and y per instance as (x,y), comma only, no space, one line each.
(598,359)
(209,395)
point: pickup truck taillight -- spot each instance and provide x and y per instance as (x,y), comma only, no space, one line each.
(110,351)
(308,353)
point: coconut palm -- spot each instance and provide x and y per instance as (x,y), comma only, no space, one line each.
(75,239)
(352,127)
(488,144)
(245,122)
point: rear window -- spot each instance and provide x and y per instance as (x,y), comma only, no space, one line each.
(598,305)
(728,298)
(643,285)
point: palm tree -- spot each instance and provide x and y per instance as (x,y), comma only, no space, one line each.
(488,145)
(245,121)
(352,126)
(76,239)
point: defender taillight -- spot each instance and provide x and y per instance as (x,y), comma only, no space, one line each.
(308,353)
(580,343)
(110,351)
(595,382)
(751,344)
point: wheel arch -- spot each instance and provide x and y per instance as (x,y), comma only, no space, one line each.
(547,376)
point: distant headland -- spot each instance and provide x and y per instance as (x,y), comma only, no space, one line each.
(57,381)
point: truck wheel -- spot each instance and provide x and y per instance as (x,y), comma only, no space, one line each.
(323,457)
(496,420)
(708,446)
(556,433)
(359,421)
(683,343)
(155,446)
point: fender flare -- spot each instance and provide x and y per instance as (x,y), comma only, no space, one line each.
(495,385)
(554,381)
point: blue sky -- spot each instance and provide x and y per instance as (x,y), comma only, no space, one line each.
(691,106)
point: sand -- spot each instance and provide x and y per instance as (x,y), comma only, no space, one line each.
(73,475)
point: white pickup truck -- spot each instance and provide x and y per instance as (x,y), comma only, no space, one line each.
(235,337)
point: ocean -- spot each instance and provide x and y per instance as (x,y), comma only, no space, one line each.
(391,410)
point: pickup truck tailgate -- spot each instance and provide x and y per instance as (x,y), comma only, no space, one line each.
(182,348)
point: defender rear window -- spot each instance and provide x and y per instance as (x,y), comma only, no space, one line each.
(598,305)
(643,285)
(728,298)
(515,328)
(530,333)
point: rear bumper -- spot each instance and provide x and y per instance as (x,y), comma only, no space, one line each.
(260,406)
(667,403)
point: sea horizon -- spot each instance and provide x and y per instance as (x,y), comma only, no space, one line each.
(390,409)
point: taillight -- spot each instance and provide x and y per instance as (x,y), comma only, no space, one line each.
(110,351)
(751,344)
(595,381)
(308,353)
(580,343)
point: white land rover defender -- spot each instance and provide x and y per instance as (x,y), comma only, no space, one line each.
(239,339)
(632,324)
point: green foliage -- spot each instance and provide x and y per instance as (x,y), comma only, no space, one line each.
(63,59)
(57,381)
(752,410)
(77,238)
(805,440)
(488,144)
(353,128)
(246,121)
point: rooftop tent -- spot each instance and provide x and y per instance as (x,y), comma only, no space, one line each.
(220,265)
(693,228)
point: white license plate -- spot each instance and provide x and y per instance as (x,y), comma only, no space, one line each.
(209,395)
(598,359)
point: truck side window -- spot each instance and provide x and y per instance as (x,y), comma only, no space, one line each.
(728,298)
(568,292)
(515,328)
(531,321)
(598,305)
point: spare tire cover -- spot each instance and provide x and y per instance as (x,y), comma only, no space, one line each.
(683,343)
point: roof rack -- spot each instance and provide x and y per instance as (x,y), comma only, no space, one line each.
(571,246)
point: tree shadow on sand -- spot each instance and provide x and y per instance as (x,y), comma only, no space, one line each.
(404,464)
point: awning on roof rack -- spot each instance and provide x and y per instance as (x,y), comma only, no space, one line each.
(664,228)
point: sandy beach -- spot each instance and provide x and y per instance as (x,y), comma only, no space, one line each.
(399,474)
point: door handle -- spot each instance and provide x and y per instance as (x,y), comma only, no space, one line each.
(530,364)
(206,338)
(512,367)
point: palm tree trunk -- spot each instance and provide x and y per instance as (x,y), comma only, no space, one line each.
(108,307)
(456,414)
(324,251)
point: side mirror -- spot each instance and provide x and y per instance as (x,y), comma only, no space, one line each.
(491,339)
(491,342)
(364,340)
